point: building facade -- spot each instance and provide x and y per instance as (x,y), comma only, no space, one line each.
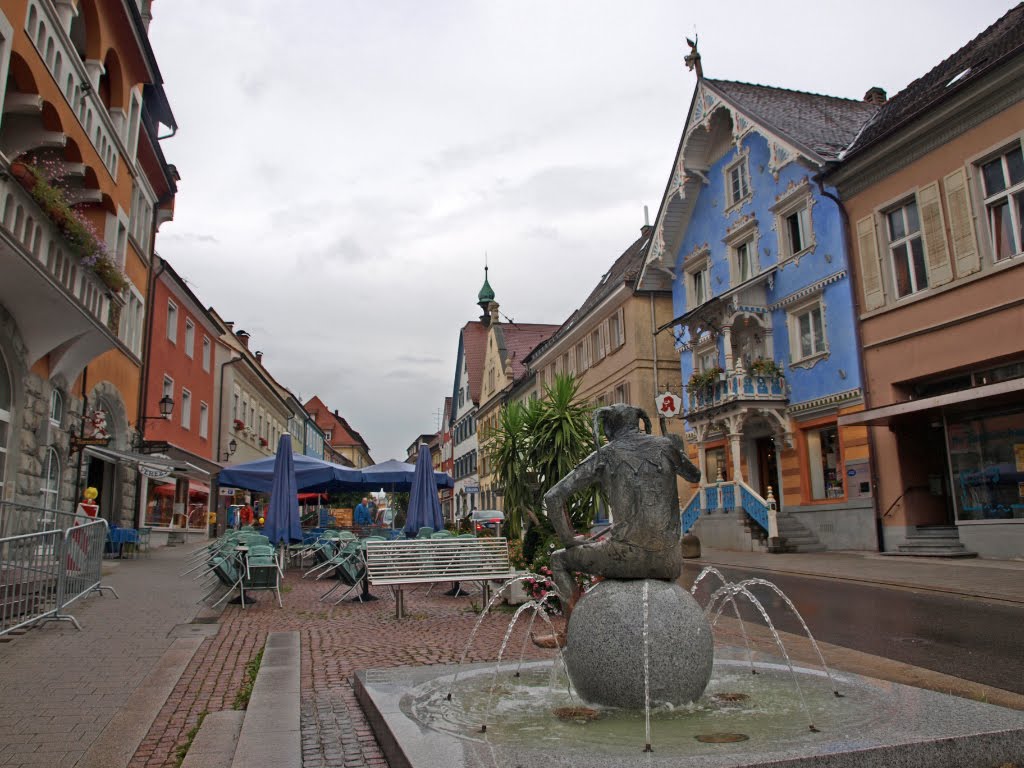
(182,349)
(447,495)
(934,192)
(82,100)
(764,317)
(341,442)
(507,349)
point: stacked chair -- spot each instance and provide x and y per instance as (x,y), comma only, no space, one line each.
(254,568)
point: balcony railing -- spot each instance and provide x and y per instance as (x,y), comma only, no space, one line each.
(45,29)
(727,497)
(737,386)
(42,242)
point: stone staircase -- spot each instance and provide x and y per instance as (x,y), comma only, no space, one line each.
(795,536)
(933,541)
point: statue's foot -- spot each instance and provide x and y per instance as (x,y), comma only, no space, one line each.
(550,640)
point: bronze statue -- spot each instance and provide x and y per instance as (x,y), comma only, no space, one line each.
(637,474)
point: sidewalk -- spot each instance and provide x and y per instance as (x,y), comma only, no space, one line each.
(82,698)
(986,579)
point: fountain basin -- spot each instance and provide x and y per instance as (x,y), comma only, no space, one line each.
(876,723)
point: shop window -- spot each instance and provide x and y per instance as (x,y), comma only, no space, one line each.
(714,462)
(823,463)
(986,456)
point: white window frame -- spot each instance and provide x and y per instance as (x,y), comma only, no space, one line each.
(204,418)
(168,390)
(56,407)
(698,271)
(186,408)
(742,166)
(1010,194)
(133,315)
(743,234)
(172,322)
(906,240)
(705,355)
(190,337)
(51,494)
(207,353)
(799,201)
(796,356)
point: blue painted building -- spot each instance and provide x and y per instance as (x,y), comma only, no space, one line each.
(764,317)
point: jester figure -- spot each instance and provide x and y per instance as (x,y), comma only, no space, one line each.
(637,472)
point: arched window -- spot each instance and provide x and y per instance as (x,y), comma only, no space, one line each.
(51,480)
(56,408)
(5,419)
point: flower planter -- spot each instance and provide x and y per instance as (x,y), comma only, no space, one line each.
(24,175)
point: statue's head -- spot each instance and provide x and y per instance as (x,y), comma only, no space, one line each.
(620,419)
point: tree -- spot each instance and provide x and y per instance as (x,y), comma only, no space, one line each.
(535,445)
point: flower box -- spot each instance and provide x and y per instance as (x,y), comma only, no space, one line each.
(263,442)
(239,425)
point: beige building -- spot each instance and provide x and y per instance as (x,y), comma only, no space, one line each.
(934,193)
(504,366)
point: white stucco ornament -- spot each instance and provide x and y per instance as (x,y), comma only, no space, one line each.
(668,405)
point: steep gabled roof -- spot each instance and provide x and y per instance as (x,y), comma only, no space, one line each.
(342,432)
(518,340)
(474,341)
(1002,40)
(824,125)
(625,269)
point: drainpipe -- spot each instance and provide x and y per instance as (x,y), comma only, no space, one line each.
(81,434)
(848,244)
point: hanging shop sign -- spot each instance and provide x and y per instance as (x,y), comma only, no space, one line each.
(668,405)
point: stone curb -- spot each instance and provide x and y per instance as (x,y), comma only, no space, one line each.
(215,744)
(271,735)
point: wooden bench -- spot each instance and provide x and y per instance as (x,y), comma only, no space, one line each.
(426,561)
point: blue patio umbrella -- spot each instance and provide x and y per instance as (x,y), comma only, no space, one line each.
(282,519)
(311,474)
(424,506)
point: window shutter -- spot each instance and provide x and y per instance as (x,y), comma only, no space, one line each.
(940,271)
(622,329)
(961,223)
(870,270)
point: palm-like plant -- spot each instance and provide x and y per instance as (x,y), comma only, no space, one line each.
(535,445)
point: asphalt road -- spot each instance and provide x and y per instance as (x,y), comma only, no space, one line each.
(973,639)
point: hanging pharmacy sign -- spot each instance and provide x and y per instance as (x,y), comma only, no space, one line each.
(668,405)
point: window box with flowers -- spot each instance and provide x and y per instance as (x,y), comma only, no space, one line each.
(704,380)
(264,442)
(765,368)
(239,425)
(42,183)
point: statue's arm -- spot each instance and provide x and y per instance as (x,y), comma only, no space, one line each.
(683,465)
(582,477)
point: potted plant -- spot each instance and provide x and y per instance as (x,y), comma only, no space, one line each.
(765,368)
(702,380)
(263,442)
(239,425)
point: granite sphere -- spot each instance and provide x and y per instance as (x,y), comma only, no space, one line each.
(604,651)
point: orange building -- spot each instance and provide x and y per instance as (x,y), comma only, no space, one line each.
(83,188)
(181,373)
(340,439)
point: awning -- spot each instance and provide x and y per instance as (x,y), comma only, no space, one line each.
(150,466)
(886,413)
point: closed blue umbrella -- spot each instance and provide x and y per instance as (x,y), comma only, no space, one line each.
(424,506)
(282,519)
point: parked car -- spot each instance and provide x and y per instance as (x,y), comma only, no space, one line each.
(487,521)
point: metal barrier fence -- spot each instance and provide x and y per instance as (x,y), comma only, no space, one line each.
(17,519)
(47,565)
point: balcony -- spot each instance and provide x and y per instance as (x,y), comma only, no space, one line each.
(737,387)
(61,308)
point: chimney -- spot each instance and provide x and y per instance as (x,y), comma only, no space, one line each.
(259,358)
(875,95)
(243,336)
(230,325)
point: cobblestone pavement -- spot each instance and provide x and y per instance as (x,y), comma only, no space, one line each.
(61,687)
(336,641)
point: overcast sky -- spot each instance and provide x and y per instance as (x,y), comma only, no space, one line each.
(345,165)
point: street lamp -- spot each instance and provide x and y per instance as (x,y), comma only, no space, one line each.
(232,447)
(166,406)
